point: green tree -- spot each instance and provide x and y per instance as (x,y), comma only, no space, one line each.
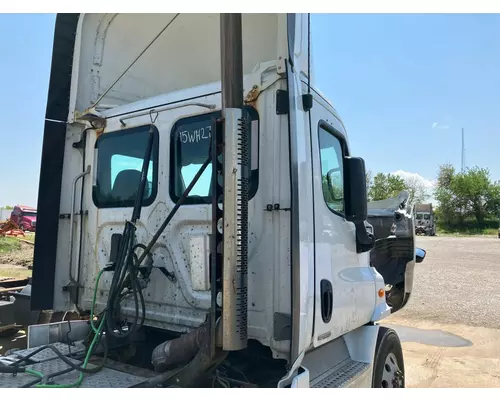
(493,201)
(385,186)
(472,190)
(444,194)
(417,190)
(466,195)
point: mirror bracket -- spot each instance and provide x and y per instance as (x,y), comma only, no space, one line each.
(364,239)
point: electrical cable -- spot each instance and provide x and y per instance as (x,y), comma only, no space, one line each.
(42,377)
(127,266)
(135,60)
(126,269)
(82,368)
(125,276)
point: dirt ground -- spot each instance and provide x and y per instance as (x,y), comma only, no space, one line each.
(449,356)
(22,257)
(450,326)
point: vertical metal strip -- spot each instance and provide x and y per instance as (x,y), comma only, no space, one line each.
(235,261)
(235,220)
(216,237)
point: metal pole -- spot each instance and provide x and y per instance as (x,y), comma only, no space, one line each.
(231,61)
(235,199)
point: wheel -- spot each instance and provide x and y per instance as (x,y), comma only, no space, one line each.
(388,370)
(8,332)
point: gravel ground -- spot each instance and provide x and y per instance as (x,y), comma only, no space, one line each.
(458,282)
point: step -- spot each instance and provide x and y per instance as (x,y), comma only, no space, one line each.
(341,376)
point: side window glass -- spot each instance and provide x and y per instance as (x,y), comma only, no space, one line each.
(189,149)
(119,164)
(332,170)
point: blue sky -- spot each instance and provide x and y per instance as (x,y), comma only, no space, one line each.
(391,77)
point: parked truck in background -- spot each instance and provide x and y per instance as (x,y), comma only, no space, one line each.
(24,217)
(425,220)
(202,217)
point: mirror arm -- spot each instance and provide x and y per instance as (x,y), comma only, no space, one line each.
(364,240)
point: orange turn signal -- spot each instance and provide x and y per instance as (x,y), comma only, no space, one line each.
(381,293)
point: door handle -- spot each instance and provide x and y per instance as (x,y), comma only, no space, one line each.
(326,300)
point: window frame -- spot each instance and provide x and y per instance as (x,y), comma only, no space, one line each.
(322,124)
(154,157)
(204,200)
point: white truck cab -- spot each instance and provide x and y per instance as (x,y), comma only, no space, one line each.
(268,265)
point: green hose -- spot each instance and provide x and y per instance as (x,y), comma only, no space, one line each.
(96,331)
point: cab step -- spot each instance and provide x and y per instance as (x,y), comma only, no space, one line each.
(343,375)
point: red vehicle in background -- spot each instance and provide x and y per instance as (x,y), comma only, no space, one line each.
(25,217)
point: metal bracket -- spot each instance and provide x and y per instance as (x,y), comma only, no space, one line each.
(282,103)
(79,145)
(166,108)
(276,207)
(307,102)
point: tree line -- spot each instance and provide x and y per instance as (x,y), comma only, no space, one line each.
(383,186)
(467,200)
(465,197)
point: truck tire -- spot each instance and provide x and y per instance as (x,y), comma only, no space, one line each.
(388,368)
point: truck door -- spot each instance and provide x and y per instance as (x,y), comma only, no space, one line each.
(344,282)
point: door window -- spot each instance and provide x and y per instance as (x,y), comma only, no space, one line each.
(120,156)
(189,149)
(332,170)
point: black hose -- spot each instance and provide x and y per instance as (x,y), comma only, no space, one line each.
(128,264)
(47,377)
(9,369)
(66,360)
(126,271)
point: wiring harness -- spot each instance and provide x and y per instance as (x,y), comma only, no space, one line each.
(126,282)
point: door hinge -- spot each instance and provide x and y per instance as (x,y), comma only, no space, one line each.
(282,102)
(79,145)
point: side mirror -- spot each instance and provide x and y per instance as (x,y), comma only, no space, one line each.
(419,255)
(356,200)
